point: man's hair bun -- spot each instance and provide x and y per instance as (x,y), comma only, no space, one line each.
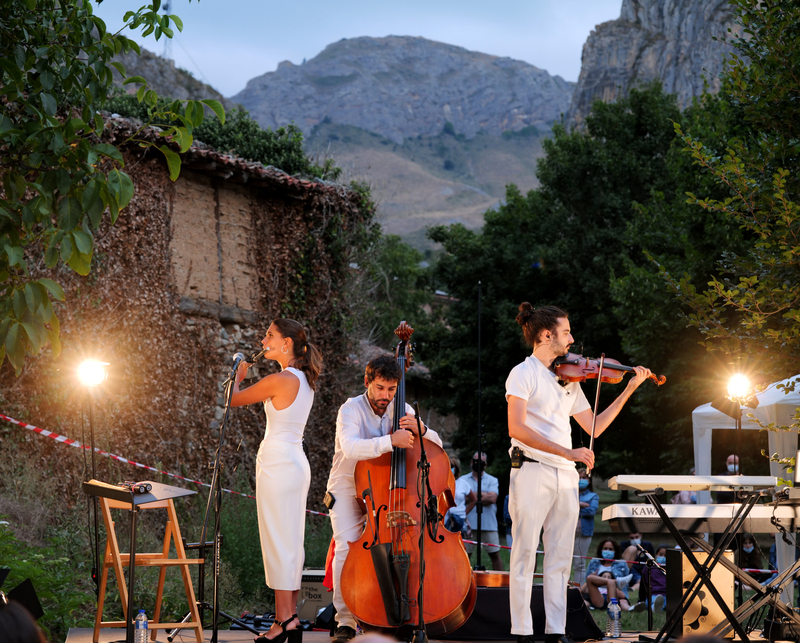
(525,312)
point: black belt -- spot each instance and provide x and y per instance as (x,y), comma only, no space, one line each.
(518,457)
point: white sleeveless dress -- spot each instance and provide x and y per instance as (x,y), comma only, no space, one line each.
(282,480)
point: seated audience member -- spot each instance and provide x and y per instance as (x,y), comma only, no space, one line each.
(750,558)
(608,560)
(635,557)
(589,502)
(657,580)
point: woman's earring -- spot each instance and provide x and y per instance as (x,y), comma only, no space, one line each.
(284,350)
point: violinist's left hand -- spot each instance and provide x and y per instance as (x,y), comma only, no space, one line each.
(409,422)
(642,374)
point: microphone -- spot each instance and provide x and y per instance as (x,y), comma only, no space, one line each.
(256,356)
(238,358)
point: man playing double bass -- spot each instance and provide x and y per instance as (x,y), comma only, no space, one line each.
(363,432)
(543,490)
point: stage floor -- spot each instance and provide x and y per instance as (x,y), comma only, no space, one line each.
(84,635)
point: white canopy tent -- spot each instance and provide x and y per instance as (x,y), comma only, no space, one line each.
(774,405)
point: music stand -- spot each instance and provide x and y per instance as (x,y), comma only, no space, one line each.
(157,492)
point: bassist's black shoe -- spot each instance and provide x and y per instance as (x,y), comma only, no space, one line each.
(343,634)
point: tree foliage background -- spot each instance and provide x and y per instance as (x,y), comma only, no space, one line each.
(59,178)
(611,237)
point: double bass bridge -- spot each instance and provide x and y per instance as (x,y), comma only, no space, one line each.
(395,519)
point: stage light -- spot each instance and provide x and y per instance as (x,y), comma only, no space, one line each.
(92,373)
(739,388)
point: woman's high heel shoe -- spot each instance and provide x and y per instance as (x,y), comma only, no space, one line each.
(286,636)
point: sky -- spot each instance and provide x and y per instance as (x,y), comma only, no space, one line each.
(225,43)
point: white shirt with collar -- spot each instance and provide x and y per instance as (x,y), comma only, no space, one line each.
(362,434)
(549,408)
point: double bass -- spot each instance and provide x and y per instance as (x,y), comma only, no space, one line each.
(381,575)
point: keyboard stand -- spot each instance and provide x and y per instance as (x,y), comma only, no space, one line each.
(703,570)
(764,594)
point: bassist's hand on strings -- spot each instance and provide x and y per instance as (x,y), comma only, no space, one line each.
(409,422)
(403,439)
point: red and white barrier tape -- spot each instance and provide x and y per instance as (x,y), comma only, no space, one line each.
(74,443)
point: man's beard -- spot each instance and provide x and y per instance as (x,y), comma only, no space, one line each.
(559,348)
(378,404)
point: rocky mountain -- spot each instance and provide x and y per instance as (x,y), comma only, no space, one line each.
(671,40)
(165,78)
(402,87)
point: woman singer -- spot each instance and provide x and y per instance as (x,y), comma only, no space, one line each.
(282,472)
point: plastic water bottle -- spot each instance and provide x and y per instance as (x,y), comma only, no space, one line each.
(614,625)
(140,628)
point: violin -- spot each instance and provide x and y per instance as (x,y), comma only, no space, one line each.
(577,368)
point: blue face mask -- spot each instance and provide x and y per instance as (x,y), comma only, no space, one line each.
(748,549)
(661,560)
(583,484)
(608,555)
(636,541)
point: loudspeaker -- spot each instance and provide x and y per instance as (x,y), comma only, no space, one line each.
(703,613)
(491,618)
(314,596)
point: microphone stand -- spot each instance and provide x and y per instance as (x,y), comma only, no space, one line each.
(650,565)
(425,497)
(479,504)
(215,501)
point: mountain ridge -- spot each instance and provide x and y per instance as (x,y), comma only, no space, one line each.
(404,86)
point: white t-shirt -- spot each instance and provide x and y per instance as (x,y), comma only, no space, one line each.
(462,491)
(549,407)
(489,484)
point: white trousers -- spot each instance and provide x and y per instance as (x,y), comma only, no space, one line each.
(541,498)
(347,521)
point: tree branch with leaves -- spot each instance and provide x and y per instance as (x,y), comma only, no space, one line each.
(58,178)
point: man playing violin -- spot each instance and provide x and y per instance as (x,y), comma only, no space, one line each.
(543,490)
(363,432)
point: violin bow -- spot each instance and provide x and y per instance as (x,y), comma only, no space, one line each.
(596,405)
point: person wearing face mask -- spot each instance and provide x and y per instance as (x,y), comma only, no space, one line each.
(589,501)
(635,557)
(490,486)
(608,560)
(732,469)
(750,558)
(456,517)
(657,579)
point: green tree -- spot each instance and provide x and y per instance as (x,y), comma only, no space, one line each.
(751,309)
(58,175)
(396,288)
(561,244)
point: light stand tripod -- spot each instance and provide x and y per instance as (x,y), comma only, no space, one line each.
(215,500)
